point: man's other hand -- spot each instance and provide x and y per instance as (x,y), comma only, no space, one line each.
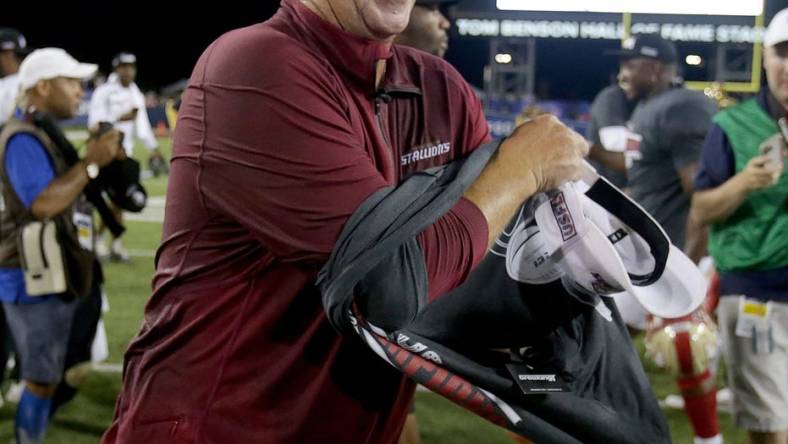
(760,172)
(104,149)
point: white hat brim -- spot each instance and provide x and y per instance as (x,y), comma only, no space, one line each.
(678,292)
(82,71)
(679,287)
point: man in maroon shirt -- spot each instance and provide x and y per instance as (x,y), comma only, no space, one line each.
(285,128)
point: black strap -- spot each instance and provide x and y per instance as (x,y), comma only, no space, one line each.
(21,252)
(627,211)
(43,252)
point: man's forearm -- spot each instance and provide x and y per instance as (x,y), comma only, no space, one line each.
(610,159)
(687,178)
(60,193)
(496,196)
(717,204)
(696,240)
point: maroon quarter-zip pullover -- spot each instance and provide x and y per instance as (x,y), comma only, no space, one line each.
(280,136)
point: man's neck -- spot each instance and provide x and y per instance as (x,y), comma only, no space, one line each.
(776,108)
(659,89)
(324,10)
(380,72)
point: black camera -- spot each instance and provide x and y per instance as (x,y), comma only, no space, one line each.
(104,127)
(120,179)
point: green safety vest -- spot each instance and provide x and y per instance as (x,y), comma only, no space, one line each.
(755,236)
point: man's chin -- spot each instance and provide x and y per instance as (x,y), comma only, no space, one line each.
(782,96)
(442,48)
(69,114)
(384,33)
(383,24)
(630,94)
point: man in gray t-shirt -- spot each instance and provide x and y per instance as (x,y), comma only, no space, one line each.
(664,135)
(660,148)
(672,126)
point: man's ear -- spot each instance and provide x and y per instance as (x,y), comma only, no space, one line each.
(657,68)
(43,88)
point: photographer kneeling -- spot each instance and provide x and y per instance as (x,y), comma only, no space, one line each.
(46,237)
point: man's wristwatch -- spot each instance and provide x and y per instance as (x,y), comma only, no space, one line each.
(92,169)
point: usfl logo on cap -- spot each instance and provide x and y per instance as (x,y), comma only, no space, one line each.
(562,216)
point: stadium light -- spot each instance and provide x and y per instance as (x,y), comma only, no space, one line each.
(503,59)
(693,60)
(702,7)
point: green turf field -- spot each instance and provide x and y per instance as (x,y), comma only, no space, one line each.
(128,286)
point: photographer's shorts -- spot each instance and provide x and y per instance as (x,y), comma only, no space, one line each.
(757,378)
(41,333)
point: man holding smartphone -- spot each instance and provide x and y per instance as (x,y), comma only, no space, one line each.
(742,194)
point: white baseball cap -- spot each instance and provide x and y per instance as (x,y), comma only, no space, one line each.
(658,274)
(49,63)
(777,32)
(577,245)
(527,254)
(124,58)
(594,237)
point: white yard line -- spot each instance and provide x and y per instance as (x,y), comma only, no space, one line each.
(107,367)
(153,212)
(145,216)
(142,253)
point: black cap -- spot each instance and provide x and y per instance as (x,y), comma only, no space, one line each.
(124,58)
(650,46)
(13,40)
(120,179)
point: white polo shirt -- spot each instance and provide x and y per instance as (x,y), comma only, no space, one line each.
(112,100)
(9,90)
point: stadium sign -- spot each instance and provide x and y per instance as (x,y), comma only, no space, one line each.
(682,7)
(610,30)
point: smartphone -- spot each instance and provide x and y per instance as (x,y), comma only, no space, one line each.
(783,124)
(774,151)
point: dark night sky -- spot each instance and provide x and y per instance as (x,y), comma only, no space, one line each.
(168,38)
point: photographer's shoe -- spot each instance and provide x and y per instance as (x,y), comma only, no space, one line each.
(102,252)
(117,252)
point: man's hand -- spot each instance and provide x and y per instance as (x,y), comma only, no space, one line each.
(759,173)
(548,150)
(62,191)
(104,149)
(717,204)
(131,115)
(539,156)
